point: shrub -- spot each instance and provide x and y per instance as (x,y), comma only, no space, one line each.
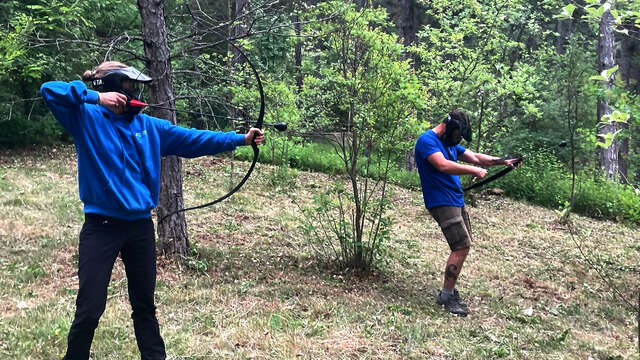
(543,180)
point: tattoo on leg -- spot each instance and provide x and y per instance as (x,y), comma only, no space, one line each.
(451,272)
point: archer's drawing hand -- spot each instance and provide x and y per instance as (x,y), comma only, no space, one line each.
(254,132)
(112,99)
(479,172)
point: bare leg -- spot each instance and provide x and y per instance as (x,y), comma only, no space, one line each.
(453,268)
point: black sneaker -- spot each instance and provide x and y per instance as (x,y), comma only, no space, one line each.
(456,295)
(451,304)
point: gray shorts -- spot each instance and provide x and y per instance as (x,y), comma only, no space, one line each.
(455,225)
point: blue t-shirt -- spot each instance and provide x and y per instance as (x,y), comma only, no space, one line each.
(438,188)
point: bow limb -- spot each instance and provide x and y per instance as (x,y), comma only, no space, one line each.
(497,175)
(254,146)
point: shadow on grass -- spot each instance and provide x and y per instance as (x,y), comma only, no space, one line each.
(286,273)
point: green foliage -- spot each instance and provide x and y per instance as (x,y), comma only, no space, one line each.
(45,40)
(543,180)
(603,199)
(283,178)
(195,261)
(321,157)
(361,94)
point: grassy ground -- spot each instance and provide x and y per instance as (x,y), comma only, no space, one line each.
(254,290)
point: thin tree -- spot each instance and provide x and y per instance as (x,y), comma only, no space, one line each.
(407,23)
(608,156)
(172,233)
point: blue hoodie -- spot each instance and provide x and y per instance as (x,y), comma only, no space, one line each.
(119,157)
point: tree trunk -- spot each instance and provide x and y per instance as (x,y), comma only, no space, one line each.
(239,28)
(563,28)
(623,154)
(407,24)
(358,251)
(361,4)
(172,233)
(298,51)
(479,121)
(629,61)
(624,57)
(608,157)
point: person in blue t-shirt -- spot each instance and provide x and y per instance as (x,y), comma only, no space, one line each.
(437,152)
(119,154)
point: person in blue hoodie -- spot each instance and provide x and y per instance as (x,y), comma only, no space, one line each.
(119,152)
(437,152)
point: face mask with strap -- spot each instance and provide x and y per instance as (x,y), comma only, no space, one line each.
(126,81)
(454,132)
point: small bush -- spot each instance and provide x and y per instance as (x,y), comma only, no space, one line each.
(330,231)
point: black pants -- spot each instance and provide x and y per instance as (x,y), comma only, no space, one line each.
(101,239)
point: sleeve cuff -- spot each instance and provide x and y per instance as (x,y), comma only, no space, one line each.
(92,97)
(238,139)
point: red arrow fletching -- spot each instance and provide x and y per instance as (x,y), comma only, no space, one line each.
(137,103)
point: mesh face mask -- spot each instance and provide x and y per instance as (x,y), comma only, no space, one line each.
(128,81)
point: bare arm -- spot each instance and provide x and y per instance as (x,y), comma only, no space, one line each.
(479,159)
(438,161)
(485,160)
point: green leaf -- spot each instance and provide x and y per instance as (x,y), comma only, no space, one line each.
(594,14)
(616,116)
(607,73)
(568,10)
(605,140)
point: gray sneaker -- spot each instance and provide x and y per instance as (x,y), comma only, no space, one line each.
(451,303)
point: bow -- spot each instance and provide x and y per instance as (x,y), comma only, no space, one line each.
(506,170)
(497,175)
(254,146)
